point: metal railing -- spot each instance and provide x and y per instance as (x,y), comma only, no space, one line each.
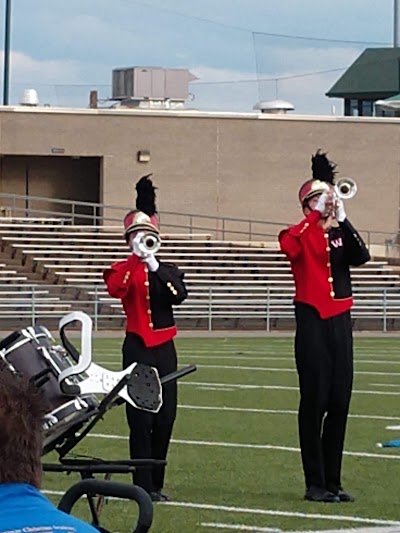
(96,214)
(40,303)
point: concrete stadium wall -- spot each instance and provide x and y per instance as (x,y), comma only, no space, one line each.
(247,166)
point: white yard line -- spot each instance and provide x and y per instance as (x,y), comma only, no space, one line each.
(384,384)
(277,358)
(118,359)
(272,411)
(292,370)
(220,386)
(268,512)
(246,446)
(226,386)
(272,387)
(239,527)
(215,388)
(257,368)
(229,357)
(245,352)
(258,529)
(264,369)
(278,355)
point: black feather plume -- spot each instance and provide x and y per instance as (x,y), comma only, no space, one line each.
(322,168)
(146,196)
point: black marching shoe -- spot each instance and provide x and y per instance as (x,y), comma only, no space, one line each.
(159,496)
(318,494)
(344,496)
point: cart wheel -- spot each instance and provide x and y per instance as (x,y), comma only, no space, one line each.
(94,487)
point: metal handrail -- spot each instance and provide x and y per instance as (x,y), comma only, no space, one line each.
(221,226)
(267,306)
(100,206)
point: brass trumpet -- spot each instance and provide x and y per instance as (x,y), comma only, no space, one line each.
(346,188)
(150,243)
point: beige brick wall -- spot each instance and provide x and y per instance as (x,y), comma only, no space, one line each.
(225,165)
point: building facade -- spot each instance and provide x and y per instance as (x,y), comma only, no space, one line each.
(247,166)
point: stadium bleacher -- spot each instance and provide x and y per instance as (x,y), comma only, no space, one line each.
(55,267)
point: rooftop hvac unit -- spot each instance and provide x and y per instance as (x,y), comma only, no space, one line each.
(151,83)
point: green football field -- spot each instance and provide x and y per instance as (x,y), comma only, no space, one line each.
(234,462)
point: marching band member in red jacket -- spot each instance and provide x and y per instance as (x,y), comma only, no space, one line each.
(320,250)
(148,288)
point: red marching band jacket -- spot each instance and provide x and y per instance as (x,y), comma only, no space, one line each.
(130,282)
(308,249)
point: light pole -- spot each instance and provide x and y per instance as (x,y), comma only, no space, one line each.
(396,24)
(7,30)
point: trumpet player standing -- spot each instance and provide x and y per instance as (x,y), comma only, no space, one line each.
(148,288)
(320,250)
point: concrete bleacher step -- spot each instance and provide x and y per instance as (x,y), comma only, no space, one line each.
(12,279)
(112,251)
(38,304)
(207,264)
(241,278)
(109,231)
(102,237)
(220,271)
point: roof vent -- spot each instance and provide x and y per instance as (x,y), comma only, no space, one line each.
(29,98)
(277,107)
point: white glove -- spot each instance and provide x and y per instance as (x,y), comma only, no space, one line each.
(320,205)
(146,257)
(136,248)
(340,212)
(152,262)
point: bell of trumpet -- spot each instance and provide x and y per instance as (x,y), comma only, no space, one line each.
(150,243)
(345,188)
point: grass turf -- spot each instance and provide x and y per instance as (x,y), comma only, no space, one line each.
(234,458)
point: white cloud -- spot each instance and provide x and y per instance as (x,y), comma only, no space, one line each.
(25,68)
(307,93)
(276,60)
(213,74)
(88,39)
(67,82)
(58,82)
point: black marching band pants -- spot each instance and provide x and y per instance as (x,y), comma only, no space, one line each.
(150,433)
(324,360)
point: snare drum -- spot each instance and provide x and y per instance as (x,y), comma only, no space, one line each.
(33,350)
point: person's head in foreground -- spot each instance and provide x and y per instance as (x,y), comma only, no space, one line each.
(22,506)
(22,409)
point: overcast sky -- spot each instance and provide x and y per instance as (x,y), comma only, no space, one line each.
(64,49)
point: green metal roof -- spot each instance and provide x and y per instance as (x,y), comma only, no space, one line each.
(394,98)
(374,74)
